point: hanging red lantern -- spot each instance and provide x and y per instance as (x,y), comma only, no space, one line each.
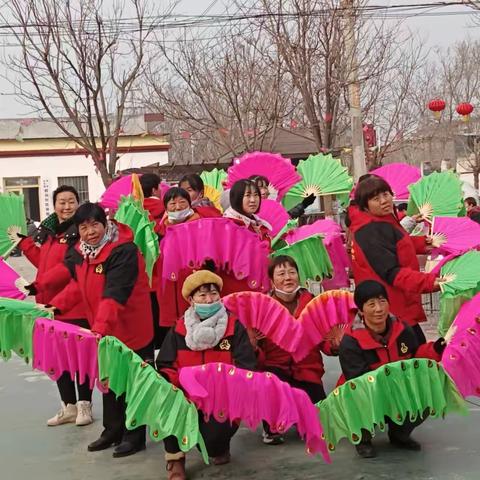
(464,109)
(437,106)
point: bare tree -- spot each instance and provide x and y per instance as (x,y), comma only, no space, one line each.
(78,67)
(223,98)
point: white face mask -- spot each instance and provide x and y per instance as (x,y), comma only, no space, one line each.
(180,215)
(286,295)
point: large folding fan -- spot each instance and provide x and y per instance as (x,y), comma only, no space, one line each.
(399,176)
(214,178)
(455,234)
(321,175)
(436,195)
(8,282)
(127,185)
(273,213)
(278,170)
(12,215)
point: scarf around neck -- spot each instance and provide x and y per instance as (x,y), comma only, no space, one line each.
(204,334)
(255,222)
(92,251)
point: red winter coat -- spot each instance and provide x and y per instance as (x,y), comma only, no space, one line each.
(360,352)
(46,250)
(169,294)
(114,288)
(234,349)
(155,209)
(310,369)
(383,251)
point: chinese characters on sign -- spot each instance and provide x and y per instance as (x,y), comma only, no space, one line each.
(46,196)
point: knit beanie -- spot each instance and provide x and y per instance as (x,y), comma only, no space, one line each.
(199,278)
(367,290)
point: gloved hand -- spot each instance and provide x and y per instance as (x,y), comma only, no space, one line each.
(25,287)
(308,200)
(15,234)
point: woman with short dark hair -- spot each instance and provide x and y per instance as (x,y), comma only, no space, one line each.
(383,251)
(46,250)
(193,185)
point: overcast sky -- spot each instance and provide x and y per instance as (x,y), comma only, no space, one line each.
(439,31)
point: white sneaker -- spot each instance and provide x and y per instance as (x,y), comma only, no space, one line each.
(66,414)
(84,415)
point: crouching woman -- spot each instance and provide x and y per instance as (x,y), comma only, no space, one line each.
(206,333)
(374,339)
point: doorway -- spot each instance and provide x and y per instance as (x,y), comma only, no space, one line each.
(28,187)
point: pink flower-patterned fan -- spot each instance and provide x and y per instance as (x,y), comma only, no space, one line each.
(279,170)
(461,357)
(273,213)
(455,235)
(399,176)
(8,277)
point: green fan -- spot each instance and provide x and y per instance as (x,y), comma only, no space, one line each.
(277,241)
(415,387)
(150,399)
(311,257)
(130,212)
(436,195)
(214,178)
(16,327)
(13,215)
(321,175)
(462,283)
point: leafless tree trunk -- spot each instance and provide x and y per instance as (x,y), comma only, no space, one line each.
(78,65)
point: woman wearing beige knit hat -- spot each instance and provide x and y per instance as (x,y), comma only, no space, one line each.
(207,333)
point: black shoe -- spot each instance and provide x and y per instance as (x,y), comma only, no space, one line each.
(366,450)
(103,443)
(127,448)
(406,444)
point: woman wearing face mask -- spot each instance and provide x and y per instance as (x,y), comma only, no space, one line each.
(306,374)
(45,250)
(207,333)
(110,278)
(178,206)
(245,200)
(193,185)
(383,251)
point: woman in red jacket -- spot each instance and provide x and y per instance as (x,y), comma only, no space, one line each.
(374,339)
(207,333)
(110,278)
(383,251)
(45,250)
(306,374)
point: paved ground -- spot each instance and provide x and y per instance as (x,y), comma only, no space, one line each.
(29,449)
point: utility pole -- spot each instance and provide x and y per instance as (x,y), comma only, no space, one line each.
(358,149)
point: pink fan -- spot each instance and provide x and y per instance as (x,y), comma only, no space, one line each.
(8,277)
(399,176)
(220,390)
(455,234)
(232,247)
(324,227)
(340,261)
(322,314)
(279,170)
(164,188)
(60,347)
(273,213)
(261,312)
(461,357)
(113,194)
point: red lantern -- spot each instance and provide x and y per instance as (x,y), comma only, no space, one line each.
(437,106)
(464,109)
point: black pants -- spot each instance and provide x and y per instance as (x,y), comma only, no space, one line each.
(419,333)
(66,386)
(159,333)
(315,391)
(114,411)
(217,437)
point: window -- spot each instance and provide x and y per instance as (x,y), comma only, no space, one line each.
(79,183)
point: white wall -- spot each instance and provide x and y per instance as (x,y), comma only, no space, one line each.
(48,169)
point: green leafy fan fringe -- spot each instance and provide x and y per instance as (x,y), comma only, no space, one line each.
(16,327)
(398,390)
(131,212)
(311,256)
(150,399)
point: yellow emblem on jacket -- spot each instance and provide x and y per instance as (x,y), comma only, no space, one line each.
(225,345)
(63,240)
(99,268)
(403,348)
